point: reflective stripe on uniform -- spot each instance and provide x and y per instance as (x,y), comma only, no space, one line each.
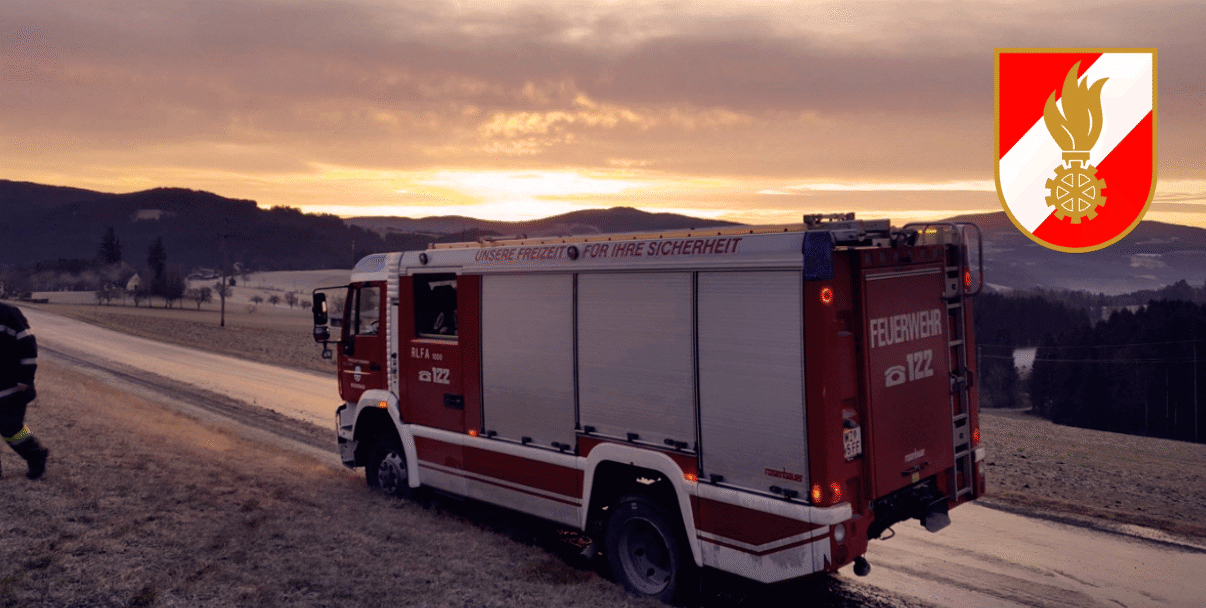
(9,391)
(29,361)
(19,335)
(21,434)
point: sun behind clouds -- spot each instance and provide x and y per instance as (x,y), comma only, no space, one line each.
(512,110)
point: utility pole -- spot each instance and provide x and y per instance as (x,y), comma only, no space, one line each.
(1195,385)
(224,286)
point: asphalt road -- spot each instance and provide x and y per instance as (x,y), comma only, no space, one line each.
(306,396)
(988,557)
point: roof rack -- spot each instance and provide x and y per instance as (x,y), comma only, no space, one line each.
(849,232)
(512,241)
(845,229)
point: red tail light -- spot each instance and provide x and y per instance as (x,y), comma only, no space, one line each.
(827,495)
(826,295)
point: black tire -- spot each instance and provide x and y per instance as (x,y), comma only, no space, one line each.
(386,469)
(648,553)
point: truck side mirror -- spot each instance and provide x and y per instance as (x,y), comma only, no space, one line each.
(321,333)
(320,311)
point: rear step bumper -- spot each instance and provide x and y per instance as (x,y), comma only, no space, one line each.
(920,501)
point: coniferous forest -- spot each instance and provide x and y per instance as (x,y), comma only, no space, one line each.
(1102,362)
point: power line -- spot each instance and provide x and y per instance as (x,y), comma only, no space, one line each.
(1044,359)
(1093,345)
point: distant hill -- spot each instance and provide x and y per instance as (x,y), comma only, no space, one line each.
(17,194)
(589,221)
(1153,255)
(56,223)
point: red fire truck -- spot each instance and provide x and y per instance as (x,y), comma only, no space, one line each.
(760,401)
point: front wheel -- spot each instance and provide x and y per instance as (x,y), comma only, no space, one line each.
(647,554)
(386,469)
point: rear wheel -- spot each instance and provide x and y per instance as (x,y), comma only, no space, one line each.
(647,553)
(386,469)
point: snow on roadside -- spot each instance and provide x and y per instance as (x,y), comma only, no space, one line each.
(263,284)
(300,281)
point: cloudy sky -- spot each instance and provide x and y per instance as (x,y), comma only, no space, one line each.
(752,111)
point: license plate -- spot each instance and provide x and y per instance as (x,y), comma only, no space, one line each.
(852,439)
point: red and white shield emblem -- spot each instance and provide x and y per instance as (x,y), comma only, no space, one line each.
(1076,143)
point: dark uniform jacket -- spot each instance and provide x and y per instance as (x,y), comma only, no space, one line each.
(18,356)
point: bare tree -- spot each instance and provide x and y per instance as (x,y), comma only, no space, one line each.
(291,298)
(200,295)
(171,288)
(274,299)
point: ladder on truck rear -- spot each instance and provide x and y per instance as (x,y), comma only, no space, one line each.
(958,287)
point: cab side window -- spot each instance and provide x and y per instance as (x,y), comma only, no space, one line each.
(435,305)
(366,320)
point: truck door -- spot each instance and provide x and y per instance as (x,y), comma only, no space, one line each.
(362,349)
(431,346)
(751,391)
(908,375)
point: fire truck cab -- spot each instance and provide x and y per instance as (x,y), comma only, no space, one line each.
(761,401)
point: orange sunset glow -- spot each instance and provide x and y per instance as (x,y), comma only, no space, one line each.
(747,111)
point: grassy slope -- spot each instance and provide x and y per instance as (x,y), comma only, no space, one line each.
(1034,463)
(145,507)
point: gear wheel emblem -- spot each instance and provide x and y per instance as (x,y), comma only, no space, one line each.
(1076,192)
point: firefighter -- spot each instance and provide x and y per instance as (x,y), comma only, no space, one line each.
(18,363)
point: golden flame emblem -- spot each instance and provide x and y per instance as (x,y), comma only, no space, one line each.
(1075,190)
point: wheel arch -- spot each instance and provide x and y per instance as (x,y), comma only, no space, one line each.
(610,474)
(373,421)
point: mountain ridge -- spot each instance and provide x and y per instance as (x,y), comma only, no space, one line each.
(60,222)
(585,221)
